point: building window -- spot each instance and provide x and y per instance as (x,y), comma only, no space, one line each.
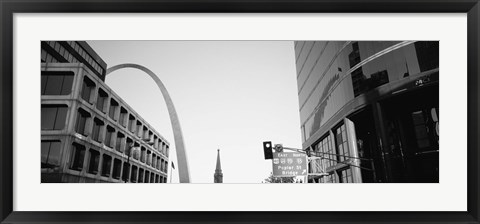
(346,176)
(152,177)
(143,154)
(154,160)
(117,168)
(145,135)
(101,100)
(425,124)
(131,123)
(50,153)
(53,117)
(126,172)
(159,163)
(97,129)
(149,157)
(108,136)
(113,109)
(57,82)
(162,164)
(128,147)
(155,142)
(133,176)
(93,161)
(166,150)
(147,176)
(106,165)
(161,146)
(136,153)
(139,128)
(82,118)
(118,143)
(140,175)
(342,144)
(427,54)
(77,157)
(330,178)
(87,88)
(123,117)
(150,138)
(325,149)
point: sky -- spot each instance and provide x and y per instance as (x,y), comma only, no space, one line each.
(229,95)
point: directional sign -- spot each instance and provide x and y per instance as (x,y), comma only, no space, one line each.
(289,164)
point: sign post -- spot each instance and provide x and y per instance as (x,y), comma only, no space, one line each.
(288,164)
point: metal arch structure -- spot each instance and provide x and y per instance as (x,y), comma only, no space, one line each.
(177,130)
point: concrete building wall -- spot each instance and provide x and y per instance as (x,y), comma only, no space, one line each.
(154,149)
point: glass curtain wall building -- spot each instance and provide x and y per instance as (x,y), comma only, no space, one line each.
(370,110)
(88,133)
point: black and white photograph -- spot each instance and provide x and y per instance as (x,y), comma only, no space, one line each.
(239,112)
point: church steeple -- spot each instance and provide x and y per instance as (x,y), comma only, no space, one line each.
(218,176)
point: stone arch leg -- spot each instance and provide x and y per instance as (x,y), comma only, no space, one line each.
(177,130)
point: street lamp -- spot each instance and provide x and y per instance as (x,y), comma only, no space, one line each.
(129,151)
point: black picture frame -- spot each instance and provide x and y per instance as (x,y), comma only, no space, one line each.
(9,7)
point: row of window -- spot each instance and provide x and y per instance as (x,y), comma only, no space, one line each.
(106,134)
(109,166)
(119,113)
(101,129)
(333,151)
(104,165)
(54,118)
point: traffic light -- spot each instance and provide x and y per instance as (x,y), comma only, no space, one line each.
(267,150)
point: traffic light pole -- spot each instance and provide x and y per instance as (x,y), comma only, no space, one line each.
(281,148)
(267,147)
(302,151)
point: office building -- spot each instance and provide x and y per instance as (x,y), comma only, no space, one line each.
(369,110)
(88,133)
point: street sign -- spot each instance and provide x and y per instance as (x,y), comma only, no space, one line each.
(289,164)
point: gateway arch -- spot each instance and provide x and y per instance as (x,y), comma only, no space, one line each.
(177,130)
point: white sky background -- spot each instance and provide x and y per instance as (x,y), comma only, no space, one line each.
(231,95)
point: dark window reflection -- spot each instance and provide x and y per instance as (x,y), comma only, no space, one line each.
(50,154)
(82,118)
(77,156)
(53,117)
(362,83)
(427,54)
(93,162)
(87,88)
(56,83)
(106,165)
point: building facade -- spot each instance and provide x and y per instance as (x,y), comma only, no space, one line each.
(370,110)
(88,133)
